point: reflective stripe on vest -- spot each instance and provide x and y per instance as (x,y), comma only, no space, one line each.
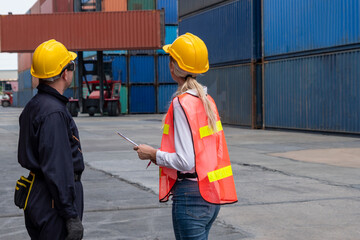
(166,129)
(220,174)
(207,131)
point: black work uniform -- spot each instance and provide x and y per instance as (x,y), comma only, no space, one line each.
(49,146)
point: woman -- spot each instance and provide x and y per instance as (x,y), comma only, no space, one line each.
(193,158)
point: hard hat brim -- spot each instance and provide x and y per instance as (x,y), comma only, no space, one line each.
(73,55)
(166,48)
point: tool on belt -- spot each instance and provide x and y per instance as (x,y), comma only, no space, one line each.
(23,189)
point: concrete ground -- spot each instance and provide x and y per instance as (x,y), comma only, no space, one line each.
(290,185)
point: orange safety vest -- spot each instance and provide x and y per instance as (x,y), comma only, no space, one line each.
(212,162)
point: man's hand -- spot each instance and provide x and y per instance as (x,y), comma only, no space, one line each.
(75,229)
(146,152)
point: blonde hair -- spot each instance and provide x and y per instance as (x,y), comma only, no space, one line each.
(191,83)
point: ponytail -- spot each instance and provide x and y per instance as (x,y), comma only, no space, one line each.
(191,83)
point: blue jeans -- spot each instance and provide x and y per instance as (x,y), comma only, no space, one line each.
(192,215)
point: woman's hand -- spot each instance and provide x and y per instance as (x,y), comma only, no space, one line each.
(146,152)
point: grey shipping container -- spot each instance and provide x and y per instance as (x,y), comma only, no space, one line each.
(234,90)
(314,93)
(307,25)
(231,31)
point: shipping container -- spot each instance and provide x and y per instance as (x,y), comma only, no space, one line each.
(190,6)
(306,25)
(124,99)
(129,30)
(171,33)
(119,68)
(35,9)
(164,75)
(117,52)
(171,10)
(141,52)
(24,97)
(114,5)
(141,4)
(234,89)
(24,61)
(47,6)
(231,32)
(25,80)
(165,94)
(142,99)
(142,69)
(15,99)
(314,93)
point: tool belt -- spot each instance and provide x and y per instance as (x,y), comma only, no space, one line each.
(186,175)
(22,190)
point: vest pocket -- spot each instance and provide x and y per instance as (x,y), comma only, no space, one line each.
(22,190)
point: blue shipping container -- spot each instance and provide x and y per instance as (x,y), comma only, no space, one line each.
(189,6)
(24,80)
(119,68)
(171,33)
(164,75)
(15,99)
(314,93)
(303,25)
(142,99)
(171,10)
(231,88)
(24,97)
(142,69)
(165,94)
(231,31)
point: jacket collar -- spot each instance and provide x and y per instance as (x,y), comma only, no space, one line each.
(43,88)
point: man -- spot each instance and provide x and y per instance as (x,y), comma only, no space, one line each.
(49,147)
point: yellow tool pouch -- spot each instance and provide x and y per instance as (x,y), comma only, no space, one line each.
(23,189)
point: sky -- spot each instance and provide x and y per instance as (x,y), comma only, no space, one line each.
(8,61)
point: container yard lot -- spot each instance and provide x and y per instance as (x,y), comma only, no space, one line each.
(290,185)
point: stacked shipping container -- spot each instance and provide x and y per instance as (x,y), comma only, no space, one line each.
(311,77)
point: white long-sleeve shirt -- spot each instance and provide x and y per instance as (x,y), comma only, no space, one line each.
(183,159)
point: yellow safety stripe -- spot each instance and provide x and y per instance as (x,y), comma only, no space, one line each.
(166,129)
(25,179)
(20,183)
(17,188)
(32,182)
(220,174)
(206,130)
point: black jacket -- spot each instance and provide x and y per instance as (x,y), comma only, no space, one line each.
(49,145)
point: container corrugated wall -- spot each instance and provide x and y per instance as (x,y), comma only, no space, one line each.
(47,6)
(229,31)
(314,93)
(114,5)
(190,6)
(142,99)
(231,88)
(124,99)
(171,10)
(24,61)
(171,33)
(303,25)
(165,92)
(129,30)
(164,75)
(25,90)
(141,4)
(119,69)
(142,69)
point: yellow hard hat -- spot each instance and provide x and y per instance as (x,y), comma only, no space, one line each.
(190,52)
(50,58)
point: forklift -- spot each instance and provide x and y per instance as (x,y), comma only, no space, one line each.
(102,93)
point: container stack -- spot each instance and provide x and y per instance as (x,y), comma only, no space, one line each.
(232,32)
(147,85)
(27,83)
(311,57)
